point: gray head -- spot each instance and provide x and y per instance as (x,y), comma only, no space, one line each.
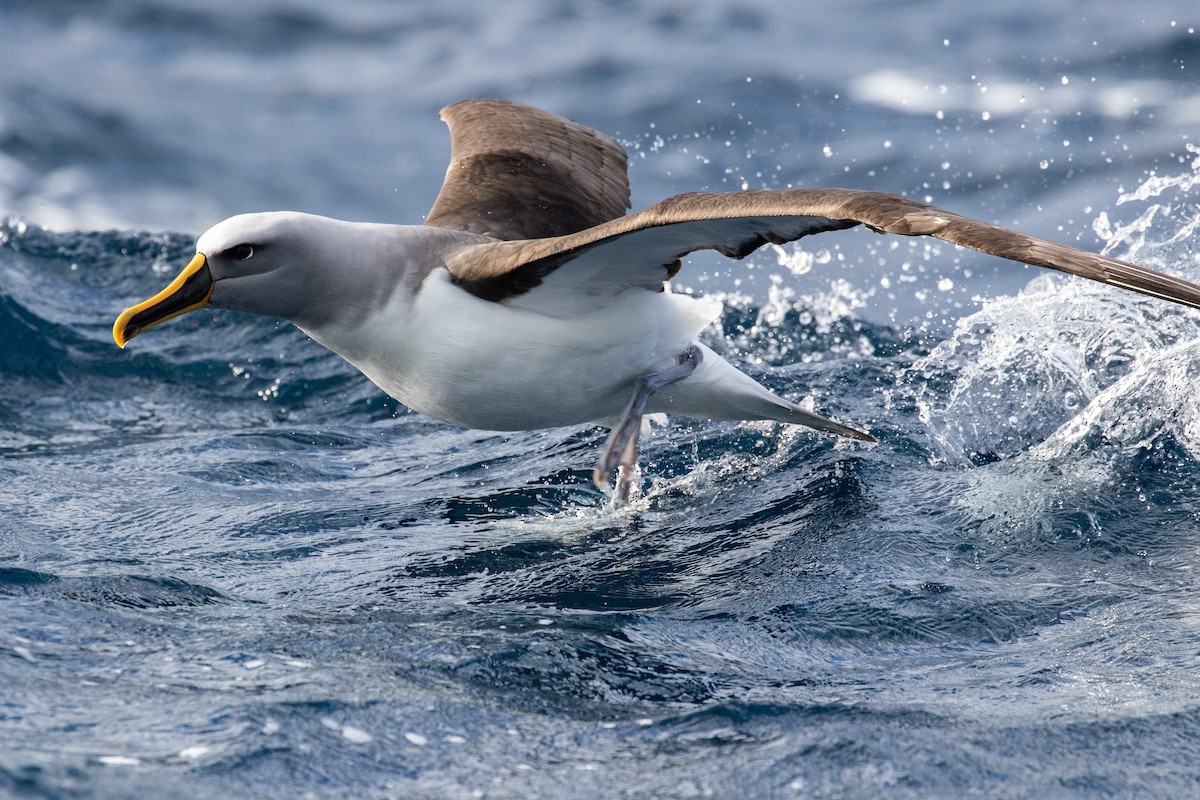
(269,263)
(278,264)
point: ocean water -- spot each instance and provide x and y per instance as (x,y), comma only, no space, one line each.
(230,566)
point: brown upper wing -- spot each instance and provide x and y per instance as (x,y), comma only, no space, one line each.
(641,249)
(520,173)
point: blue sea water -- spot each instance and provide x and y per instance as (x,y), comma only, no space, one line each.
(230,566)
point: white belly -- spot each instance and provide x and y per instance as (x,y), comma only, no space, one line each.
(485,365)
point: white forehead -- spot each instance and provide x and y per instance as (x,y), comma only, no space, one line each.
(250,229)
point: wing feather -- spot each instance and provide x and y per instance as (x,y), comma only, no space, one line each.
(641,250)
(517,172)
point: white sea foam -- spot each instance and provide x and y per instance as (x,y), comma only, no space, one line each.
(1067,362)
(915,92)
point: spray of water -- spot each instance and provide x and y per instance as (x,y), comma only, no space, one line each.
(1068,364)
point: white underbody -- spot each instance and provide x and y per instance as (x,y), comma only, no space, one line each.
(481,364)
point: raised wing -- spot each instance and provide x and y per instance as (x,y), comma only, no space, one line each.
(643,249)
(520,173)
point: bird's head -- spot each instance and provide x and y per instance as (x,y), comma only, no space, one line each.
(260,263)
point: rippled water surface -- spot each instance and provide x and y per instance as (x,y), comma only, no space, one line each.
(230,566)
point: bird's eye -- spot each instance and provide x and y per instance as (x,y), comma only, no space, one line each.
(241,252)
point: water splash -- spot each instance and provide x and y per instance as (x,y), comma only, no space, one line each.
(1068,364)
(1167,224)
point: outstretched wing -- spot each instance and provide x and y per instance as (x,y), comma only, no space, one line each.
(643,249)
(520,173)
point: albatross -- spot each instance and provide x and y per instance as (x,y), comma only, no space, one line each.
(530,299)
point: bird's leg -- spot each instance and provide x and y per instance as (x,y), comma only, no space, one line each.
(621,449)
(628,471)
